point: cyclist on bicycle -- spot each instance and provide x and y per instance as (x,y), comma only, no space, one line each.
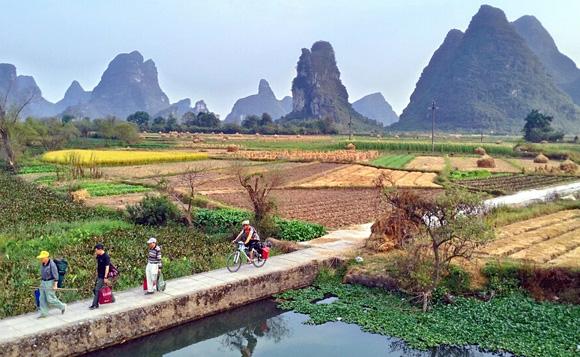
(250,238)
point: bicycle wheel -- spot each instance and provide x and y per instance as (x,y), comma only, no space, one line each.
(234,262)
(258,260)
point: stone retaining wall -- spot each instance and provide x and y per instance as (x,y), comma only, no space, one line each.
(118,327)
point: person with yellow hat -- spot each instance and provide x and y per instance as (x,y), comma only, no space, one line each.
(48,285)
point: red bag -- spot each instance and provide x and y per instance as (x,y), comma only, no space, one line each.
(106,295)
(145,284)
(265,253)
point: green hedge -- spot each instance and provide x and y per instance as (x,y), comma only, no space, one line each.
(228,220)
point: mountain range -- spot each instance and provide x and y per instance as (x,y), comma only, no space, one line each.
(129,84)
(487,79)
(263,102)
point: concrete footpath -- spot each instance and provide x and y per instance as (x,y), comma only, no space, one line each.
(133,315)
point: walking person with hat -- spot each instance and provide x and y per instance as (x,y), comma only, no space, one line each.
(48,285)
(153,265)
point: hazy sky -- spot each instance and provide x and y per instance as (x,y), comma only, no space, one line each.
(217,50)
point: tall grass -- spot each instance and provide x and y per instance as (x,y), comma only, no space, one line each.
(418,146)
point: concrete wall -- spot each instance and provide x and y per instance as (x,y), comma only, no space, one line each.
(118,327)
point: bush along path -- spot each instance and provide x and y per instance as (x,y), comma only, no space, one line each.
(513,323)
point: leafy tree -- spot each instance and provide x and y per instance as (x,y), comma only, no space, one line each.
(266,120)
(105,128)
(67,118)
(84,126)
(52,133)
(127,132)
(538,127)
(141,119)
(251,122)
(158,124)
(171,124)
(208,120)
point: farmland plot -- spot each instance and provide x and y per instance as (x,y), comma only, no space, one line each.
(365,176)
(514,183)
(553,240)
(427,163)
(120,157)
(470,163)
(332,208)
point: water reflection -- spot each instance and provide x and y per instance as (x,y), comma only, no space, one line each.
(261,329)
(246,338)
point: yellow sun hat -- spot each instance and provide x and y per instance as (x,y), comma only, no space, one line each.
(43,254)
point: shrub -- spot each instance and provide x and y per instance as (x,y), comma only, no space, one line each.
(153,211)
(229,220)
(220,220)
(295,230)
(457,280)
(502,277)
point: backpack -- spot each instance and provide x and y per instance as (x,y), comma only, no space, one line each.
(62,267)
(113,271)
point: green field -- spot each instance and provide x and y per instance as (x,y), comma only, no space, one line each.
(393,161)
(98,189)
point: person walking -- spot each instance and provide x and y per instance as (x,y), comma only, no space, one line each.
(153,265)
(103,266)
(48,285)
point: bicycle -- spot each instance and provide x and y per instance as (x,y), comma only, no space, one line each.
(234,260)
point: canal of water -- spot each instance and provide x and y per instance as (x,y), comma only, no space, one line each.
(261,329)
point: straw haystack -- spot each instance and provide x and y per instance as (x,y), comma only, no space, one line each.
(480,151)
(541,159)
(569,166)
(486,161)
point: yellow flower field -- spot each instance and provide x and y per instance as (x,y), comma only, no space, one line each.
(118,157)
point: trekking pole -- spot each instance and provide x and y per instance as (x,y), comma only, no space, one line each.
(64,289)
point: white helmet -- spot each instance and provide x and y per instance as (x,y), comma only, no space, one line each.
(245,222)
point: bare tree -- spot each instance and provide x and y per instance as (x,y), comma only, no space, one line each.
(452,226)
(9,115)
(192,179)
(259,185)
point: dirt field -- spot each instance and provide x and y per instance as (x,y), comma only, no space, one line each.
(333,208)
(470,163)
(429,163)
(172,168)
(364,176)
(553,240)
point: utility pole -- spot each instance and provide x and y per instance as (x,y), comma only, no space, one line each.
(433,108)
(349,126)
